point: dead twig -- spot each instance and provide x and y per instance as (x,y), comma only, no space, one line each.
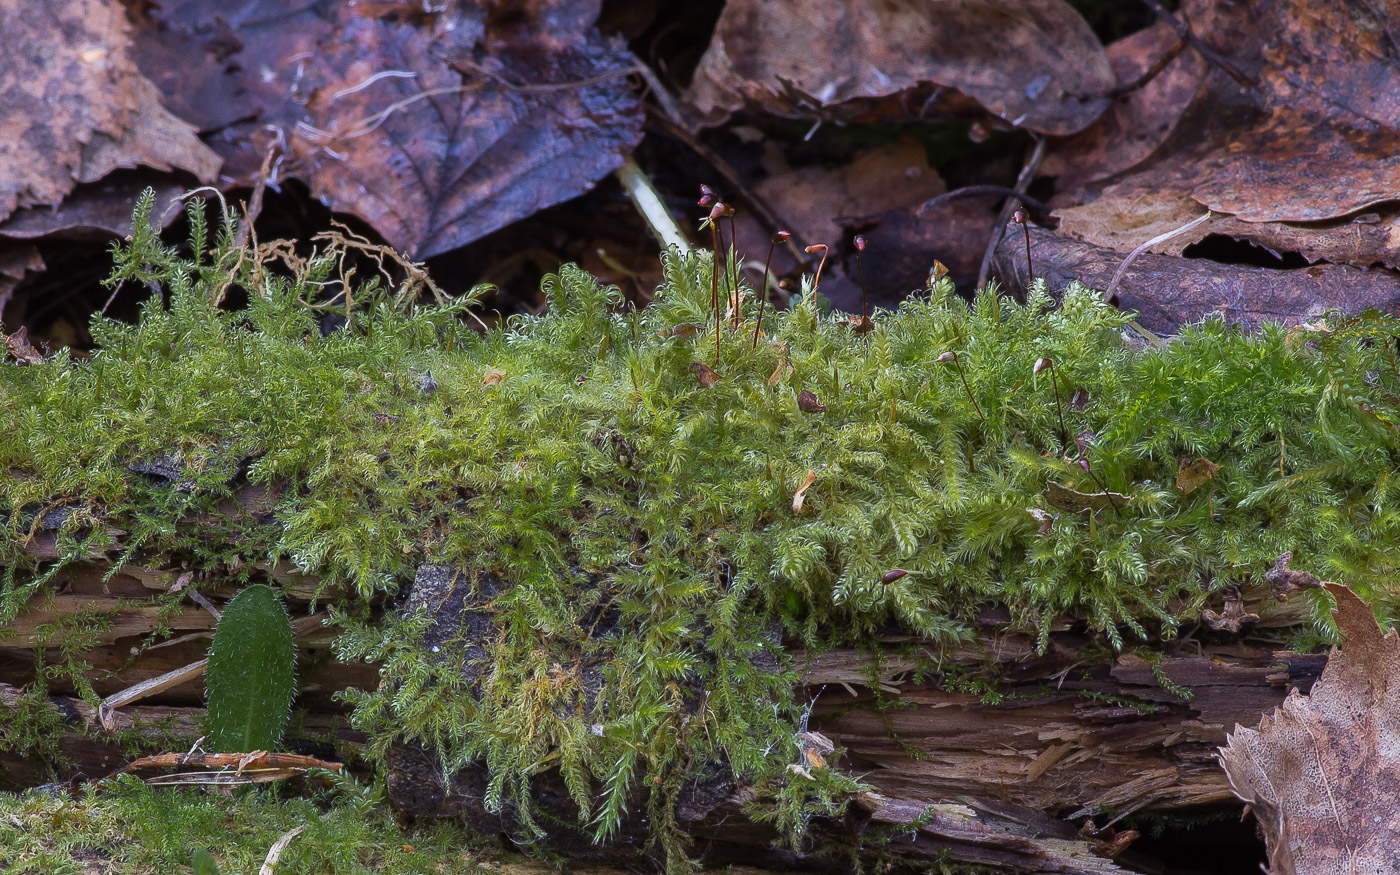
(1023,181)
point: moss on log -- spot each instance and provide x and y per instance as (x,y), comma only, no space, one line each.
(646,525)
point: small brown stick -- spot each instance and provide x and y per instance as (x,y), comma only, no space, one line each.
(951,356)
(779,237)
(1183,31)
(1147,76)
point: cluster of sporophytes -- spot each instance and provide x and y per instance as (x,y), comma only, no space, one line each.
(664,513)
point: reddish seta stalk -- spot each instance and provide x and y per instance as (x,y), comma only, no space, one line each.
(780,237)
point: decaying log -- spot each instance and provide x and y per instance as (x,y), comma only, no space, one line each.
(992,753)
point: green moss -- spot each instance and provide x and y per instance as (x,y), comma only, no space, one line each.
(578,457)
(125,827)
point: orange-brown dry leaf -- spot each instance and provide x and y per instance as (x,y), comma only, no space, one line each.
(1136,123)
(73,105)
(1322,772)
(1303,158)
(1192,474)
(1026,61)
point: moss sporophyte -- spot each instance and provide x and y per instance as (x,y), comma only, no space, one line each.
(575,458)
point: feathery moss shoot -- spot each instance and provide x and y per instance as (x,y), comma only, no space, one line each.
(582,458)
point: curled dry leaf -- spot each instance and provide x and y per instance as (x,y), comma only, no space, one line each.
(1136,124)
(97,211)
(1232,619)
(705,374)
(781,372)
(1322,772)
(493,377)
(800,496)
(1192,474)
(18,346)
(809,403)
(73,105)
(1044,520)
(1032,63)
(1284,580)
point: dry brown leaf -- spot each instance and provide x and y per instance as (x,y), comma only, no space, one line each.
(1233,618)
(705,374)
(808,402)
(1136,123)
(888,177)
(1025,61)
(493,377)
(18,346)
(69,94)
(96,211)
(800,496)
(1284,580)
(154,138)
(1322,772)
(436,127)
(1301,154)
(1192,474)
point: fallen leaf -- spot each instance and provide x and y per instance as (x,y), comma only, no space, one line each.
(96,211)
(18,346)
(1028,62)
(436,127)
(807,402)
(1284,580)
(1064,498)
(1044,520)
(1192,474)
(493,377)
(1233,619)
(1322,771)
(1137,123)
(437,160)
(154,138)
(705,375)
(71,96)
(1301,145)
(800,496)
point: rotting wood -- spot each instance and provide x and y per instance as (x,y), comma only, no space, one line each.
(1008,744)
